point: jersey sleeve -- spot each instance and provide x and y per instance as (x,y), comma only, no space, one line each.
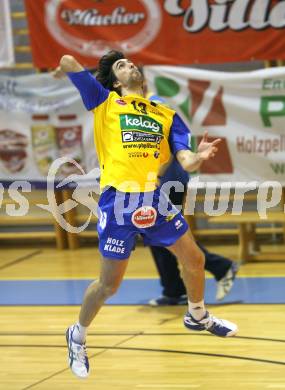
(179,136)
(91,91)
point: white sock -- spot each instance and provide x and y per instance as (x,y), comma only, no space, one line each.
(197,309)
(79,333)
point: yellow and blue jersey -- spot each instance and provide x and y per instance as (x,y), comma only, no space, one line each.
(133,136)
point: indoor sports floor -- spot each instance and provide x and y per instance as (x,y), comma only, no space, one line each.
(131,345)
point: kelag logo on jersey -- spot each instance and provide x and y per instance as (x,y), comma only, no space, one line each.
(140,122)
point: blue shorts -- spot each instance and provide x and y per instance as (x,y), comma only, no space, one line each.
(122,216)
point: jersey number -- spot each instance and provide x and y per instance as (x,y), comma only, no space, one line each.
(140,107)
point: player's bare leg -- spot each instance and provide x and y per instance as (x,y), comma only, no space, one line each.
(192,261)
(111,275)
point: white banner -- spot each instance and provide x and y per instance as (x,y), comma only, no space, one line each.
(6,40)
(246,110)
(42,119)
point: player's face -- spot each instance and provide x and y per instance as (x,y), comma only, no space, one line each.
(127,73)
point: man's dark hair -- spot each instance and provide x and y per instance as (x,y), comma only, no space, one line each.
(105,74)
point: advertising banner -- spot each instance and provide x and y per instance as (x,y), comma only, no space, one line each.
(245,110)
(156,31)
(6,40)
(42,119)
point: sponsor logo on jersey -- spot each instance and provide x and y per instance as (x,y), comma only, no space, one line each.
(127,136)
(144,217)
(121,102)
(140,122)
(138,154)
(137,136)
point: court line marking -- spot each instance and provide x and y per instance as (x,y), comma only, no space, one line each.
(144,305)
(83,278)
(67,368)
(173,351)
(20,259)
(138,333)
(165,385)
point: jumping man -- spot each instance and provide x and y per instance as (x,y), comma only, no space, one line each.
(134,138)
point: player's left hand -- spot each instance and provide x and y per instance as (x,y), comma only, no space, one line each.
(208,149)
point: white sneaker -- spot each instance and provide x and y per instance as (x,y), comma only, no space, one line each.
(77,355)
(225,284)
(214,325)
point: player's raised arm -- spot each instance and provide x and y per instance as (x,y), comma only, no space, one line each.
(191,161)
(70,64)
(179,140)
(91,91)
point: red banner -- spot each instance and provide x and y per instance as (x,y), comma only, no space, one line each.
(157,31)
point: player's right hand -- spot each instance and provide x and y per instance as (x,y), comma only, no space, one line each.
(58,73)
